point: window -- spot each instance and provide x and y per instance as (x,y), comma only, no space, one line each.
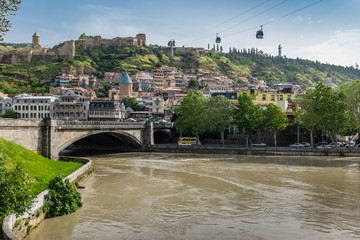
(272,97)
(289,97)
(281,97)
(264,97)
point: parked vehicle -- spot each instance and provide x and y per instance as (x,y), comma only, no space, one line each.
(306,144)
(188,141)
(321,143)
(296,145)
(259,144)
(351,144)
(323,146)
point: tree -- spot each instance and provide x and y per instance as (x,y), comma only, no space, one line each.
(352,100)
(15,195)
(248,115)
(192,115)
(133,103)
(330,107)
(307,114)
(274,119)
(220,114)
(7,7)
(10,114)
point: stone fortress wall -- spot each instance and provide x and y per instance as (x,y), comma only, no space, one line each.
(66,50)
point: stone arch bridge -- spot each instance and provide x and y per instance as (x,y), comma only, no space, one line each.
(50,137)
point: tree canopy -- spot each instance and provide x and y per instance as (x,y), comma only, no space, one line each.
(15,196)
(7,7)
(274,119)
(248,115)
(192,114)
(220,114)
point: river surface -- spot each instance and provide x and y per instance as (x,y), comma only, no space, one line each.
(189,196)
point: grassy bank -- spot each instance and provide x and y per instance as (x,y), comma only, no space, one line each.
(40,170)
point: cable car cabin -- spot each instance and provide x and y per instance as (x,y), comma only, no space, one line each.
(218,39)
(260,34)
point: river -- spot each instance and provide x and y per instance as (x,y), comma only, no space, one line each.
(191,196)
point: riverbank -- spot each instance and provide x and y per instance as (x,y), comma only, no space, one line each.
(236,149)
(16,228)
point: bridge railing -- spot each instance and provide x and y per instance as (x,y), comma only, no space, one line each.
(76,123)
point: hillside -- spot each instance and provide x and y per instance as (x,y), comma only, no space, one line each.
(30,77)
(41,170)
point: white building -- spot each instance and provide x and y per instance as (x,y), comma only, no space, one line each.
(5,105)
(33,107)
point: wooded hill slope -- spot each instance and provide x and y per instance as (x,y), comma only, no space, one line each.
(29,77)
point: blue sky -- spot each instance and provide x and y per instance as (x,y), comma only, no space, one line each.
(328,31)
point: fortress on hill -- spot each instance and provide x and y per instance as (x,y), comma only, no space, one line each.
(66,50)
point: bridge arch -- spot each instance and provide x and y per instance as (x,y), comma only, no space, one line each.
(162,136)
(128,140)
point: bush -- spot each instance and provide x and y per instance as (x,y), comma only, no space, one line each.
(15,196)
(63,198)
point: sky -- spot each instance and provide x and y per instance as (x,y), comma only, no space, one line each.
(327,31)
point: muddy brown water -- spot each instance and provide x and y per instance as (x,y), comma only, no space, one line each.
(190,196)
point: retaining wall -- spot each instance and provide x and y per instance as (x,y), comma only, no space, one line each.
(17,228)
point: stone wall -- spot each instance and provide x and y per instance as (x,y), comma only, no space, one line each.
(96,41)
(27,133)
(65,50)
(17,228)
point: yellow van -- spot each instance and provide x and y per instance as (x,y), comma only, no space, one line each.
(188,141)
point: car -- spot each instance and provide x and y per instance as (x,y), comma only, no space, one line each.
(296,145)
(324,146)
(306,144)
(259,144)
(351,144)
(321,143)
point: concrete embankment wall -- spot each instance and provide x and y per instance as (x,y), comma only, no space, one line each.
(253,151)
(17,228)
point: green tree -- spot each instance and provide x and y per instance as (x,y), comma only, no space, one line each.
(192,115)
(220,114)
(62,199)
(331,110)
(7,7)
(10,114)
(15,196)
(274,119)
(133,103)
(352,100)
(307,114)
(248,115)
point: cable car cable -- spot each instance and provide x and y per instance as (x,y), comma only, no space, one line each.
(266,10)
(212,28)
(255,16)
(277,19)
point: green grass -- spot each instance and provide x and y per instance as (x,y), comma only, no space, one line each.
(40,169)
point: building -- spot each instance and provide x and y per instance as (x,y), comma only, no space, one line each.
(59,91)
(33,107)
(70,106)
(5,105)
(272,95)
(63,80)
(106,111)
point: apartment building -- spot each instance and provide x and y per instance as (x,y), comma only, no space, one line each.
(70,106)
(33,107)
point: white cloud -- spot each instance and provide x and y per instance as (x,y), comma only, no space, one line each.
(341,48)
(106,21)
